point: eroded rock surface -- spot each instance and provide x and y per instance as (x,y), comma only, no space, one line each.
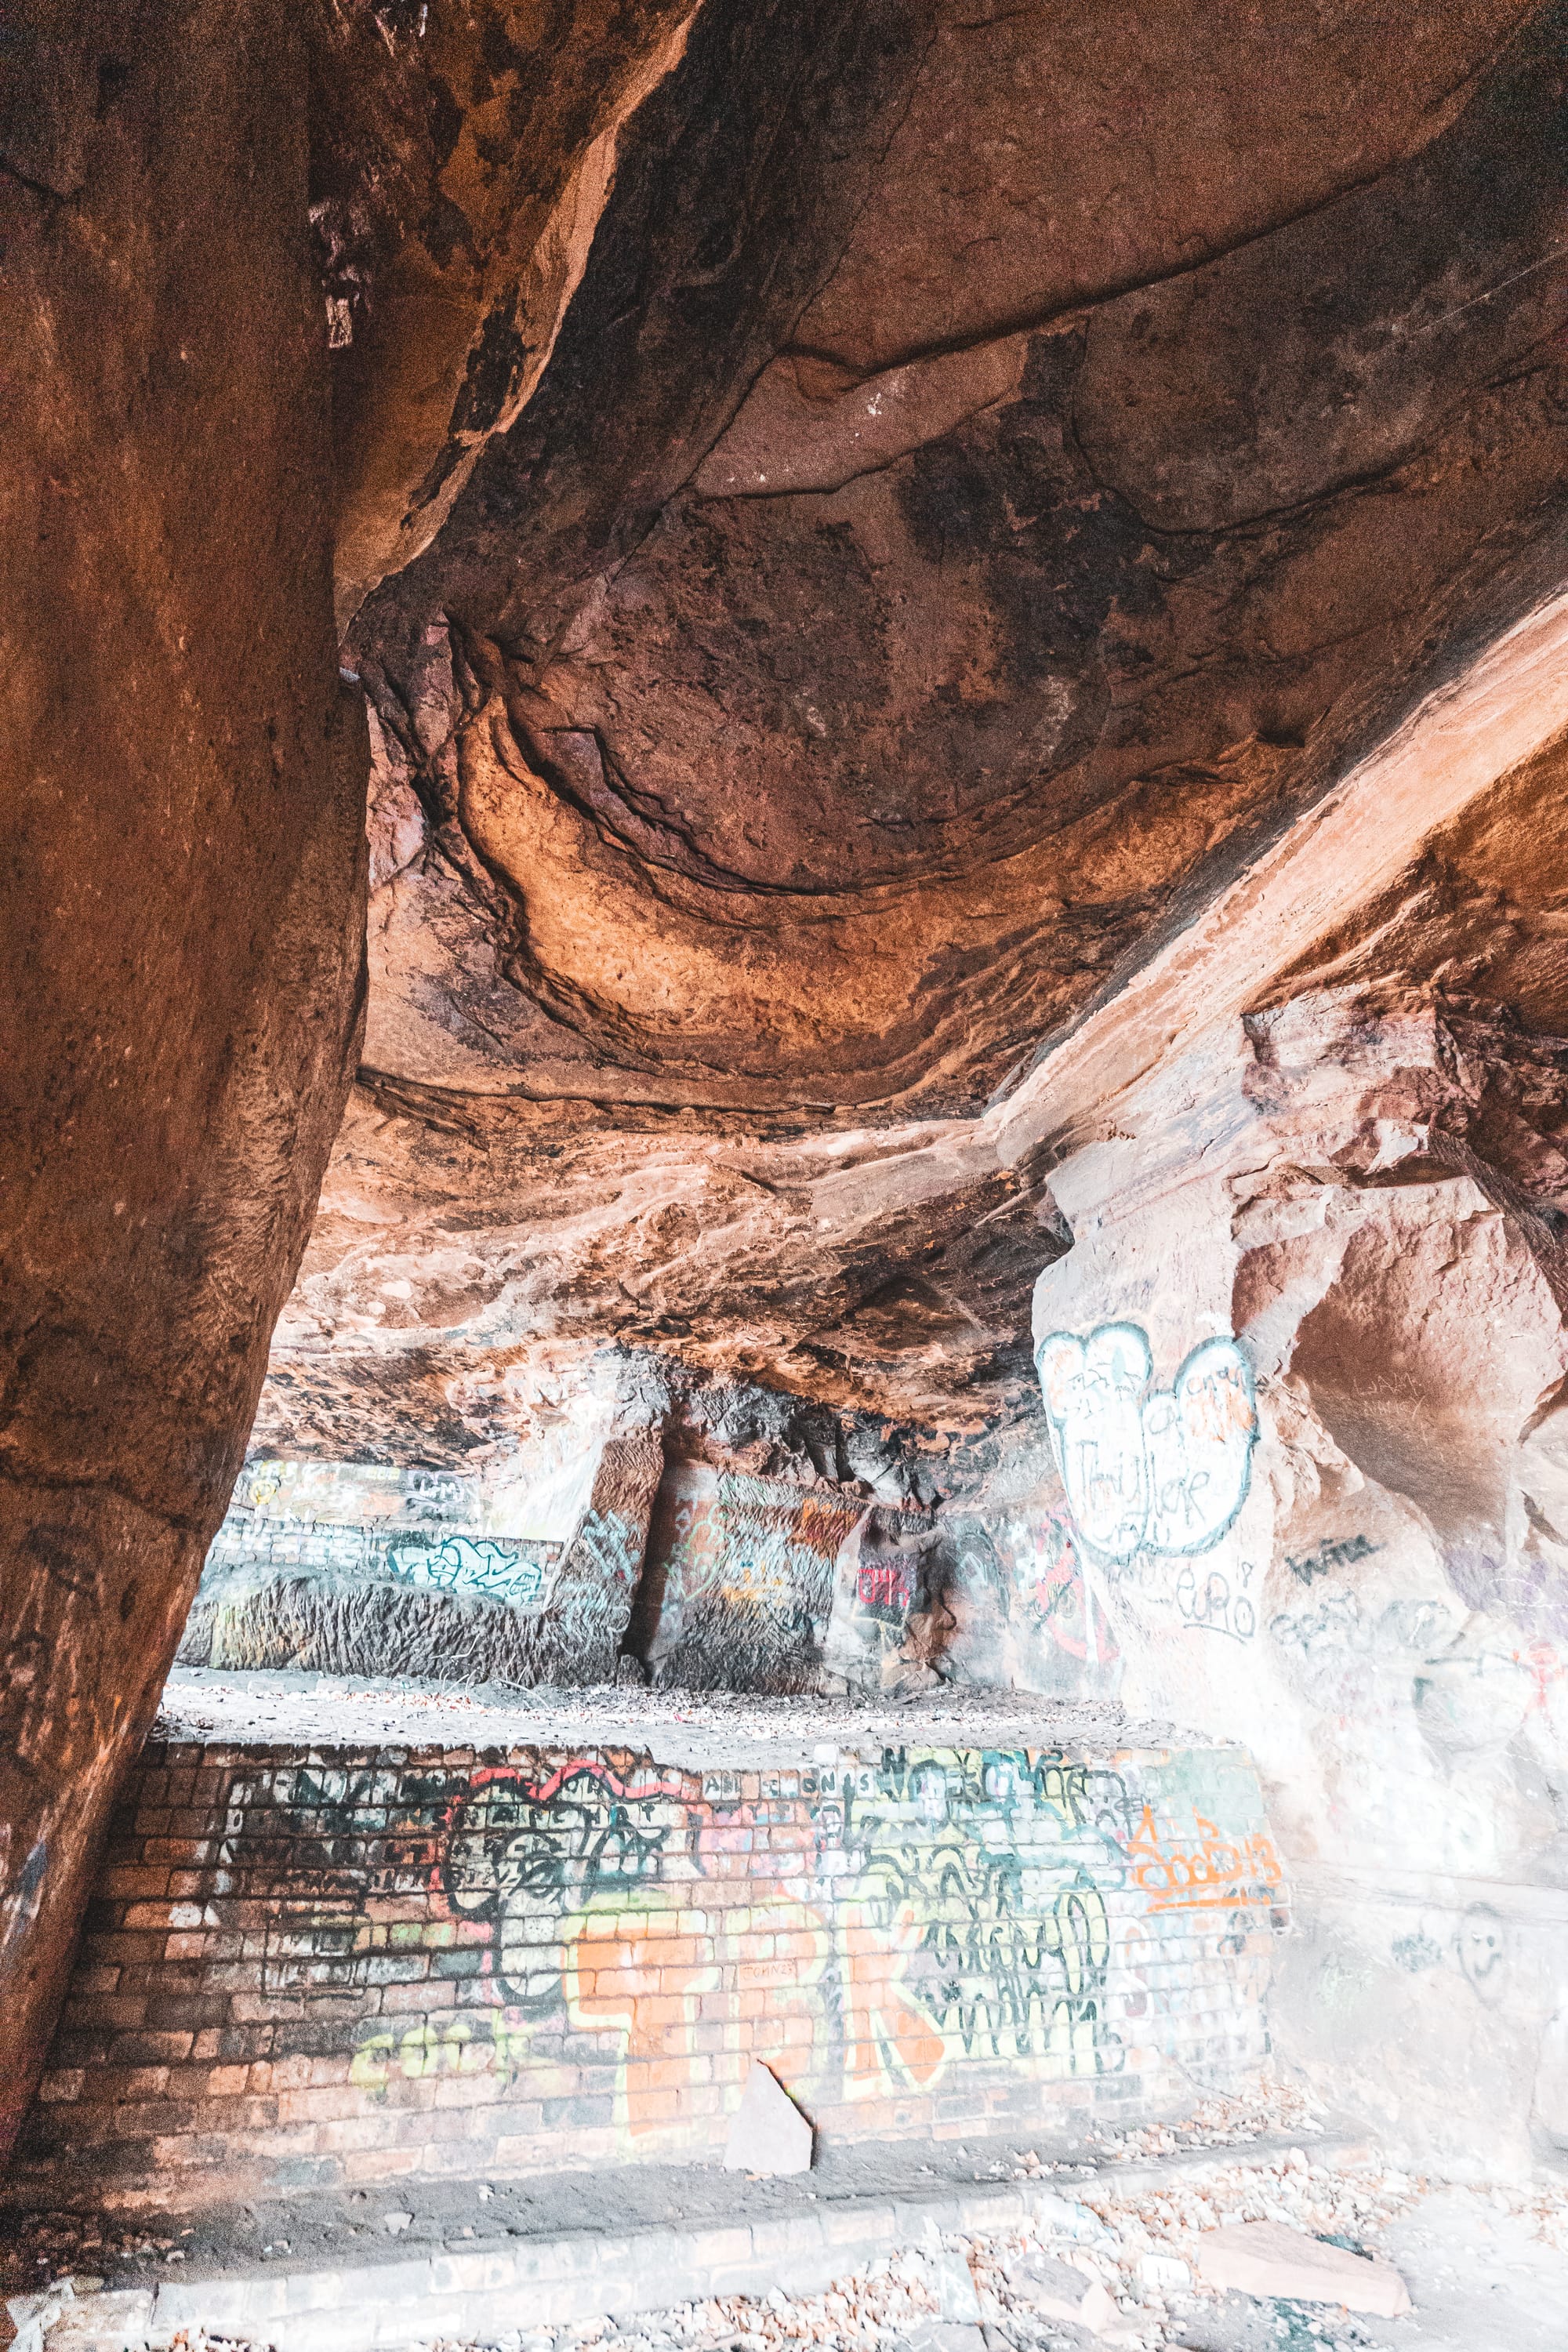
(851,667)
(460,159)
(825,771)
(961,623)
(183,877)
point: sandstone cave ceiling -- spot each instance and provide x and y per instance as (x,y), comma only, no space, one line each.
(863,526)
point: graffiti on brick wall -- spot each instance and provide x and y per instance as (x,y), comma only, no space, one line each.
(1207,1871)
(1011,1942)
(520,1856)
(543,1957)
(1163,1470)
(499,1571)
(880,1930)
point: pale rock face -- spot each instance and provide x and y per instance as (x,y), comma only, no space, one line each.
(1379,1616)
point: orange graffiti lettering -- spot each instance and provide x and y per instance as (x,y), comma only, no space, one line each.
(1210,1874)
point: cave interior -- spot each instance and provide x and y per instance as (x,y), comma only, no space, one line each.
(783,1196)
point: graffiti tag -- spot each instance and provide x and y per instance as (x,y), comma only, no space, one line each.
(1210,1873)
(462,1564)
(1327,1557)
(1165,1469)
(1213,1607)
(884,1588)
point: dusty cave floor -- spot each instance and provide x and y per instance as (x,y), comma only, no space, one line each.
(1487,2269)
(700,1727)
(1486,2263)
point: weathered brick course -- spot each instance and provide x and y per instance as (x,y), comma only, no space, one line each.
(377,1962)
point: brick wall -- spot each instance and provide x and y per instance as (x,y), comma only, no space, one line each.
(315,1968)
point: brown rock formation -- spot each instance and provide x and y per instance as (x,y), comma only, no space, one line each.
(826,770)
(182,880)
(854,669)
(460,159)
(962,615)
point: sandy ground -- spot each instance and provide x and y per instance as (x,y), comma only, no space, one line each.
(718,1728)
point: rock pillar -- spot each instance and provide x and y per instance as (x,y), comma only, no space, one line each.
(181,890)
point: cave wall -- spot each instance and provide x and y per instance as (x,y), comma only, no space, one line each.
(1303,1371)
(556,1565)
(182,894)
(345,1568)
(750,1583)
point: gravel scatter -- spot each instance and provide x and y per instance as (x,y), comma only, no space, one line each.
(714,1727)
(1140,2244)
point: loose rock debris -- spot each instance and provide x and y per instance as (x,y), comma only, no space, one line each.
(1135,2253)
(1267,2105)
(1102,2263)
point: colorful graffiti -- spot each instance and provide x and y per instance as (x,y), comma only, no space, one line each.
(885,1588)
(745,1569)
(1209,1873)
(467,1564)
(1159,1469)
(878,1927)
(533,1959)
(368,1585)
(515,1853)
(1013,1961)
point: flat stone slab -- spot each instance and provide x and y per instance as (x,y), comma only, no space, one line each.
(1057,2291)
(768,2133)
(1266,2258)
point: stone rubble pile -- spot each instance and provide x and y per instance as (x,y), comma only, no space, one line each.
(1130,2257)
(1268,2106)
